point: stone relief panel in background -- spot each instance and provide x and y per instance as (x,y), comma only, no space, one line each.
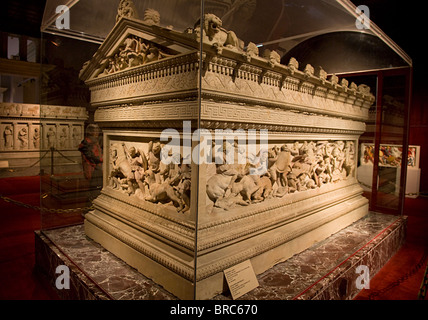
(28,131)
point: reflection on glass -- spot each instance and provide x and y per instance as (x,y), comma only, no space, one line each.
(391,138)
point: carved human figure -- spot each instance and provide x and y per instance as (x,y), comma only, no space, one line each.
(23,138)
(154,158)
(281,167)
(294,150)
(292,182)
(181,181)
(111,67)
(161,192)
(8,137)
(139,165)
(51,136)
(36,138)
(219,186)
(304,182)
(322,172)
(63,138)
(337,157)
(348,163)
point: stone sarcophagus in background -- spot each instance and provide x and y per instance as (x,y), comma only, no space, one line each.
(216,154)
(30,131)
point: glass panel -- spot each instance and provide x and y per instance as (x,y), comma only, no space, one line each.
(392,135)
(144,80)
(366,143)
(147,76)
(13,48)
(65,115)
(249,66)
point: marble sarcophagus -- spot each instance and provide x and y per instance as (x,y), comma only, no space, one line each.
(216,154)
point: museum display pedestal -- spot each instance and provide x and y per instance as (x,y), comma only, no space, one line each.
(215,154)
(325,271)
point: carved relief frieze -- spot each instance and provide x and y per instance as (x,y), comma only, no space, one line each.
(136,169)
(280,170)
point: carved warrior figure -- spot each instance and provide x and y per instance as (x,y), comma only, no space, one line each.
(126,9)
(146,177)
(293,167)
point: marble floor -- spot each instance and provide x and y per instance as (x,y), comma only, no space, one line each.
(303,276)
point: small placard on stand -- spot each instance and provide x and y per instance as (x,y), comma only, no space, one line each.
(241,279)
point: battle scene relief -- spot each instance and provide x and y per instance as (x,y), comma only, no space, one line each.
(137,169)
(278,171)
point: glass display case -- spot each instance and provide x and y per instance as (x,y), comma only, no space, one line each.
(188,137)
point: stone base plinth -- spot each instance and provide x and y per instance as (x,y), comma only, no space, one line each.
(326,270)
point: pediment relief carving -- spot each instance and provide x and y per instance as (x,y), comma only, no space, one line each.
(133,52)
(133,43)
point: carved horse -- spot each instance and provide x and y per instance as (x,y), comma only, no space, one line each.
(246,187)
(121,167)
(217,186)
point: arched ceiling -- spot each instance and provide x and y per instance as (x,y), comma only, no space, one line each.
(282,25)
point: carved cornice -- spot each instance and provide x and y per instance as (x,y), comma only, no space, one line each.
(215,114)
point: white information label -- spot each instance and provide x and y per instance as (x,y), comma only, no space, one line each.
(241,279)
